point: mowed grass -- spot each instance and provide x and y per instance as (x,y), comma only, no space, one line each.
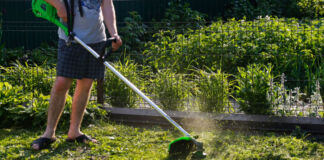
(118,141)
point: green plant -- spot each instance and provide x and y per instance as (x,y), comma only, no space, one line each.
(214,91)
(29,109)
(119,94)
(311,8)
(9,56)
(299,133)
(180,17)
(252,89)
(12,104)
(134,34)
(170,89)
(293,46)
(251,9)
(44,55)
(316,101)
(31,78)
(0,27)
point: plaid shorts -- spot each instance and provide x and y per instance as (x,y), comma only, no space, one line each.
(76,62)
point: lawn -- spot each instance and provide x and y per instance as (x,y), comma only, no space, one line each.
(126,142)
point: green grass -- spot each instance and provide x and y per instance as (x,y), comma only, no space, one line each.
(126,142)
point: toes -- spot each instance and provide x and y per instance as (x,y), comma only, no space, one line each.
(35,146)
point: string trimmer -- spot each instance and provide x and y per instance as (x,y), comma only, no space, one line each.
(179,148)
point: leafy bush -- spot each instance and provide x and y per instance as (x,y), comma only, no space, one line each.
(11,104)
(0,27)
(30,78)
(9,56)
(180,17)
(214,91)
(134,33)
(43,55)
(170,89)
(251,9)
(295,48)
(29,109)
(311,8)
(253,88)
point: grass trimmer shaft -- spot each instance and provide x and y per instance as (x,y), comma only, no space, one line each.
(181,147)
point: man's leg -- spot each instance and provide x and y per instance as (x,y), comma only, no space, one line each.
(80,100)
(56,106)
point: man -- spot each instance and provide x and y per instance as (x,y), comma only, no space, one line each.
(74,62)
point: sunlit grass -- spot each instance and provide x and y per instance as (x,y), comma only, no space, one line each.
(126,142)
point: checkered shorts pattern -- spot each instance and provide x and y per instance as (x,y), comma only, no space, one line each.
(76,62)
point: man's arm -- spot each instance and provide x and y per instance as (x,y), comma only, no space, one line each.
(60,8)
(109,15)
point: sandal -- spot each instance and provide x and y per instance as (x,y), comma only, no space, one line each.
(43,142)
(81,139)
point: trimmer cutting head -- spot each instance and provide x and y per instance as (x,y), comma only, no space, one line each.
(183,147)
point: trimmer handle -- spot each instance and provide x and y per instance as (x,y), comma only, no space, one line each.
(111,39)
(105,54)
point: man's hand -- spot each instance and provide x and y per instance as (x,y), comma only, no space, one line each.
(117,44)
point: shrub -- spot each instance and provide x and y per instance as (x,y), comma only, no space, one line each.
(252,89)
(0,27)
(170,89)
(251,9)
(311,8)
(213,91)
(29,109)
(180,17)
(12,100)
(293,47)
(44,55)
(9,56)
(31,78)
(134,33)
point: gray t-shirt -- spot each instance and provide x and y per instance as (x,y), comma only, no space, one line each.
(90,28)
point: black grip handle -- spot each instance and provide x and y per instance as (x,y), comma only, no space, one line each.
(112,39)
(105,53)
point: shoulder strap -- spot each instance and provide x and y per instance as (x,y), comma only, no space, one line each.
(70,19)
(80,8)
(70,16)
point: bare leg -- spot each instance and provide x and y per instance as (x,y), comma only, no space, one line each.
(56,106)
(80,100)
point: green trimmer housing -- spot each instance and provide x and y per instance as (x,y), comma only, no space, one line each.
(42,9)
(182,147)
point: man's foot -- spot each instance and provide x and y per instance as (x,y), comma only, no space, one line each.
(42,143)
(82,139)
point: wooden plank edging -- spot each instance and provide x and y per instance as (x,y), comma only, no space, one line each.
(209,121)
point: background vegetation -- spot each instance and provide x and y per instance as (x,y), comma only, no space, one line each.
(249,61)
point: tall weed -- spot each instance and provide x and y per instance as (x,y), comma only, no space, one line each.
(170,89)
(252,89)
(119,94)
(214,91)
